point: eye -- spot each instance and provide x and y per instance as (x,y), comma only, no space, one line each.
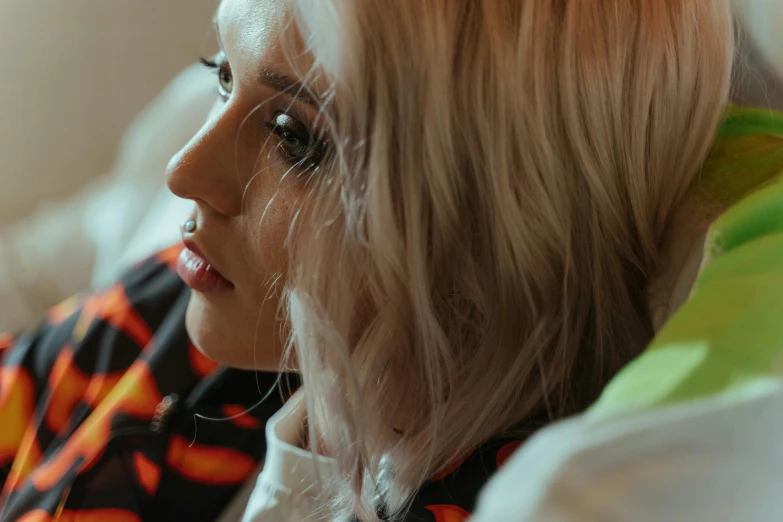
(220,65)
(298,145)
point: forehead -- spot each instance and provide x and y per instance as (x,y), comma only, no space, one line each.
(260,39)
(253,28)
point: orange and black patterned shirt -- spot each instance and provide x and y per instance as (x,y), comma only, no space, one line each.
(107,413)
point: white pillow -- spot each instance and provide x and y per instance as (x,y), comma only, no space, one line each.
(88,240)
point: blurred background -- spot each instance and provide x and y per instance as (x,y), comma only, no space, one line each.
(98,94)
(759,66)
(76,74)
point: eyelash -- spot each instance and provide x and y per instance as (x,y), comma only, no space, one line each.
(220,67)
(298,146)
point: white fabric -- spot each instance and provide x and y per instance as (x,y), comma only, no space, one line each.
(288,488)
(89,240)
(706,461)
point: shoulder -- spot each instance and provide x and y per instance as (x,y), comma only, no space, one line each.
(451,495)
(53,379)
(112,326)
(130,311)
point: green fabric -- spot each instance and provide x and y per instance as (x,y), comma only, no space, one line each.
(728,338)
(746,121)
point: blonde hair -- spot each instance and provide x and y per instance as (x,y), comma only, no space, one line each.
(477,247)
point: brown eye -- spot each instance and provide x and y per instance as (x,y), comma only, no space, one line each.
(298,145)
(225,79)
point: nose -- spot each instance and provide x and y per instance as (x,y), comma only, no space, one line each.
(202,169)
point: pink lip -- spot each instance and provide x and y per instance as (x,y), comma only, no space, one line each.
(198,273)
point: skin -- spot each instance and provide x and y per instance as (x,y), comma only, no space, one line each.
(246,184)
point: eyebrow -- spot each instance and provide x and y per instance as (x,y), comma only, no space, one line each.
(288,86)
(275,80)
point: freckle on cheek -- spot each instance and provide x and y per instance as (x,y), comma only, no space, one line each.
(272,233)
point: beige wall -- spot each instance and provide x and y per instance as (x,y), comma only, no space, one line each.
(758,74)
(74,73)
(764,19)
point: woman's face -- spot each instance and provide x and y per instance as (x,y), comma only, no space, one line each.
(244,170)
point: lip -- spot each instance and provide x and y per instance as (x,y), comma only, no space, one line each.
(198,272)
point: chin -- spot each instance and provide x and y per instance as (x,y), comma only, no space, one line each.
(225,338)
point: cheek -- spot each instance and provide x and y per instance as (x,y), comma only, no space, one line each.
(270,216)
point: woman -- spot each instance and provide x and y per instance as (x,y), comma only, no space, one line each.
(446,217)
